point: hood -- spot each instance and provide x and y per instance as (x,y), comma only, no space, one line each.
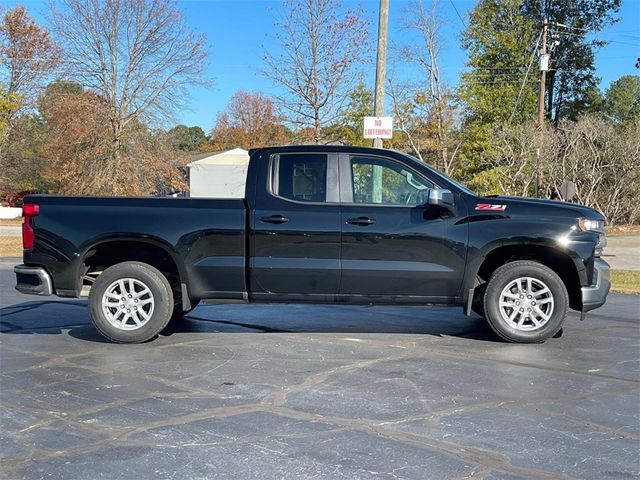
(523,204)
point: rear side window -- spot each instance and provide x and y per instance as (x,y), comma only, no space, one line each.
(301,177)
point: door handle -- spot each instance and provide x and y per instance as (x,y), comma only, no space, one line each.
(362,221)
(274,219)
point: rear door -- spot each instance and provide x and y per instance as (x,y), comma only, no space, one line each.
(296,229)
(394,245)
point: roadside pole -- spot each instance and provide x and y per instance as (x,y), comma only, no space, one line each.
(378,109)
(381,64)
(544,66)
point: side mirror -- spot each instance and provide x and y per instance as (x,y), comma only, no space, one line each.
(441,198)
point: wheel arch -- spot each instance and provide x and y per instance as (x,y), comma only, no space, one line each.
(557,260)
(105,252)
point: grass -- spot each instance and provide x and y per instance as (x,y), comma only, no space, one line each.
(10,246)
(623,230)
(625,281)
(6,222)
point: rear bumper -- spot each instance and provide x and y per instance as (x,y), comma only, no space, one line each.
(595,295)
(33,280)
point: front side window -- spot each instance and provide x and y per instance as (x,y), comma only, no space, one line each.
(385,182)
(302,177)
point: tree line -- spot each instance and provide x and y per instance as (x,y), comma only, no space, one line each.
(83,100)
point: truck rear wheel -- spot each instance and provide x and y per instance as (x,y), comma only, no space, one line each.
(130,302)
(525,302)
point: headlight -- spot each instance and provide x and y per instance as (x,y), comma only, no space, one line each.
(587,225)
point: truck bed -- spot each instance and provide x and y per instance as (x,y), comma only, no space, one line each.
(70,230)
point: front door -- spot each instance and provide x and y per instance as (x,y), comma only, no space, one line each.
(296,229)
(393,243)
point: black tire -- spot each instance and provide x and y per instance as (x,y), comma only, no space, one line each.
(178,312)
(555,309)
(160,296)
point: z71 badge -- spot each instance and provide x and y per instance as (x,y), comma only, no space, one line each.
(489,206)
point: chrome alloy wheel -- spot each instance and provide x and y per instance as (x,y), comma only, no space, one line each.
(128,304)
(526,304)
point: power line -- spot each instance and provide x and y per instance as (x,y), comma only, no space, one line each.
(526,75)
(604,39)
(498,82)
(621,57)
(500,68)
(458,13)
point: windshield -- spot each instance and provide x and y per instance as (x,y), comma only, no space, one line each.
(437,173)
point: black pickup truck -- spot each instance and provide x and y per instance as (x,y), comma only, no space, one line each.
(319,224)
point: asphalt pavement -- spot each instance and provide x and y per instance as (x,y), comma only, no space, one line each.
(623,252)
(300,392)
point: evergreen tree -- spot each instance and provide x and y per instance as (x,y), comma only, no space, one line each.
(496,88)
(622,99)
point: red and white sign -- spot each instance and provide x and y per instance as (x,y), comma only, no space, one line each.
(378,127)
(492,207)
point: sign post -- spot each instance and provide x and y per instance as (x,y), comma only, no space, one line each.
(378,128)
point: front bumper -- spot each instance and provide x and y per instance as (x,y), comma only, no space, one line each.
(33,280)
(595,295)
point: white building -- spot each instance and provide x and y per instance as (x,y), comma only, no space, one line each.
(219,174)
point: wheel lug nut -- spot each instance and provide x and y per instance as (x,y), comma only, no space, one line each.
(123,299)
(128,310)
(517,303)
(135,308)
(136,300)
(522,309)
(129,296)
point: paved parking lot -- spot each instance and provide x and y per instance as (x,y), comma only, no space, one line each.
(297,392)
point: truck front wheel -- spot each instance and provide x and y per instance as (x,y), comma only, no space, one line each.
(130,302)
(525,302)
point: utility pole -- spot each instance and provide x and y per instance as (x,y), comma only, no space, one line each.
(381,64)
(544,66)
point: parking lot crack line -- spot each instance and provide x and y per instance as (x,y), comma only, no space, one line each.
(491,460)
(591,425)
(475,359)
(478,472)
(279,398)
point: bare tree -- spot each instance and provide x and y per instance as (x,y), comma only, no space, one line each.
(75,159)
(514,159)
(602,160)
(138,55)
(316,69)
(407,117)
(28,57)
(431,99)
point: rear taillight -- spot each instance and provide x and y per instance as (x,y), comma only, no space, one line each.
(29,210)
